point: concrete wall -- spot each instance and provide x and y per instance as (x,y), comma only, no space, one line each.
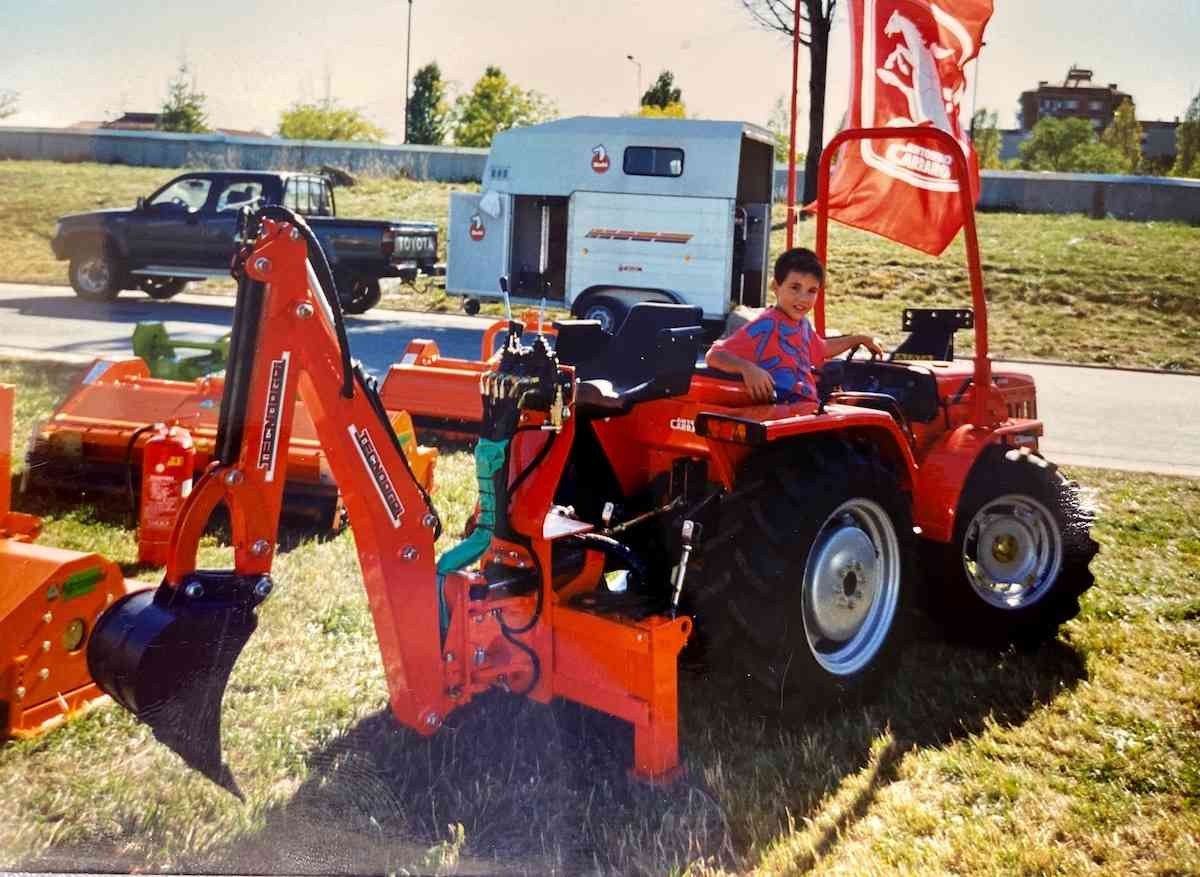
(1138,198)
(159,149)
(1099,195)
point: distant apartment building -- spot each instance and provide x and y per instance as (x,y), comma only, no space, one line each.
(1079,98)
(1076,98)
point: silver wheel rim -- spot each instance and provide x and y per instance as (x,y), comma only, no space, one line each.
(1012,551)
(94,274)
(851,587)
(602,315)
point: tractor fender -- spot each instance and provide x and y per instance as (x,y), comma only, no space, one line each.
(875,427)
(943,474)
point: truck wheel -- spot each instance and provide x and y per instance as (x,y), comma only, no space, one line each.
(471,306)
(1018,561)
(359,294)
(607,310)
(805,585)
(162,288)
(96,275)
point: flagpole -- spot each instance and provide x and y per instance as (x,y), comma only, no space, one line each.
(791,196)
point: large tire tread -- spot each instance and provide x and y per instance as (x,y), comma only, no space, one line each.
(747,609)
(951,600)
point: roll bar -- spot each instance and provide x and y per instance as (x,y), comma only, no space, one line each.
(983,365)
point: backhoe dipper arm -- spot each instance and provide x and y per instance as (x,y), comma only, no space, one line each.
(295,349)
(285,340)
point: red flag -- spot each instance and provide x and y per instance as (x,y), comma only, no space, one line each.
(907,60)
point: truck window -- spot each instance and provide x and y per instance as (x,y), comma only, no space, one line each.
(323,200)
(292,196)
(239,194)
(191,193)
(653,161)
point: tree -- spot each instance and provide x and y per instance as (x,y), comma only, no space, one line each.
(1187,142)
(1124,135)
(663,92)
(495,104)
(816,18)
(779,124)
(183,110)
(428,111)
(1067,145)
(670,111)
(8,103)
(985,133)
(327,119)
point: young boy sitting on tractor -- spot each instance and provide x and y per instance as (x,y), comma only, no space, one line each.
(776,352)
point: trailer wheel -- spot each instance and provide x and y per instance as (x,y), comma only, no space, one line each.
(471,306)
(607,310)
(96,274)
(1018,562)
(805,585)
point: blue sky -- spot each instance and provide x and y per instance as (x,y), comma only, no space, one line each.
(73,60)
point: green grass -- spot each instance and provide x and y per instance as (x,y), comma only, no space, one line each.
(1081,756)
(1060,287)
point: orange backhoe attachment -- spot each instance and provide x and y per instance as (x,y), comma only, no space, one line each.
(49,602)
(499,610)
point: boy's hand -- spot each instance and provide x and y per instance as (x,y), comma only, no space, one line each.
(872,344)
(759,382)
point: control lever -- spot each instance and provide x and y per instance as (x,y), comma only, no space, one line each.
(690,534)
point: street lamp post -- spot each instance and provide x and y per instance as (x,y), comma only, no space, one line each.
(639,67)
(407,55)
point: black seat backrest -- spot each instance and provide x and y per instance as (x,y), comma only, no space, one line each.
(577,341)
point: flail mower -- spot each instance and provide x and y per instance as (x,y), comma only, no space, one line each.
(625,495)
(50,599)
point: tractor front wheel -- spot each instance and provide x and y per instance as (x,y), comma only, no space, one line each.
(805,585)
(1018,561)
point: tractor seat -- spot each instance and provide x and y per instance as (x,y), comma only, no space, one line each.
(652,356)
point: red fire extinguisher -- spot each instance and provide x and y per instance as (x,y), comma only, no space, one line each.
(167,461)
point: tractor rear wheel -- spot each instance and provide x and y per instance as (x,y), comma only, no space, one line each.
(1018,562)
(805,585)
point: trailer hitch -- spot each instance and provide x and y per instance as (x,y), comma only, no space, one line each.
(166,656)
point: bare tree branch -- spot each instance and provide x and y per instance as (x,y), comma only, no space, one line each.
(816,20)
(8,103)
(778,15)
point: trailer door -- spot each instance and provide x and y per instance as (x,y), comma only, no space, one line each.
(477,244)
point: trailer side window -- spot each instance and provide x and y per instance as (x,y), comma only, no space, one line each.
(653,161)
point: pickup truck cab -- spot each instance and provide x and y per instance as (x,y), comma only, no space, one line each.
(187,230)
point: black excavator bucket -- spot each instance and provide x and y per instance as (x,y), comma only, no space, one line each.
(166,655)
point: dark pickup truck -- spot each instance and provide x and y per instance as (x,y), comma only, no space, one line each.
(187,230)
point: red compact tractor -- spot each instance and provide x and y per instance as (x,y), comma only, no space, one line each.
(625,495)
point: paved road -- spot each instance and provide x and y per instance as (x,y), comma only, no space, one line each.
(1094,417)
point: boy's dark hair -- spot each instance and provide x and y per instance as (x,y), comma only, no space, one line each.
(800,260)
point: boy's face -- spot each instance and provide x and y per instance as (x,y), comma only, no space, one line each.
(797,294)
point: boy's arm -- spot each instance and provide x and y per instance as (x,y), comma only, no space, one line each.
(842,343)
(758,380)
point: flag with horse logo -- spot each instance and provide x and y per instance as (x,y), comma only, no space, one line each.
(907,65)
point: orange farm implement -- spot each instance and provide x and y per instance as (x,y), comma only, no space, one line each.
(49,602)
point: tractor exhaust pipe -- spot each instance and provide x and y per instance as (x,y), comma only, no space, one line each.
(166,656)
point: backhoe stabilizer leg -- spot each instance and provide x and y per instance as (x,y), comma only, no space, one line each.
(166,655)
